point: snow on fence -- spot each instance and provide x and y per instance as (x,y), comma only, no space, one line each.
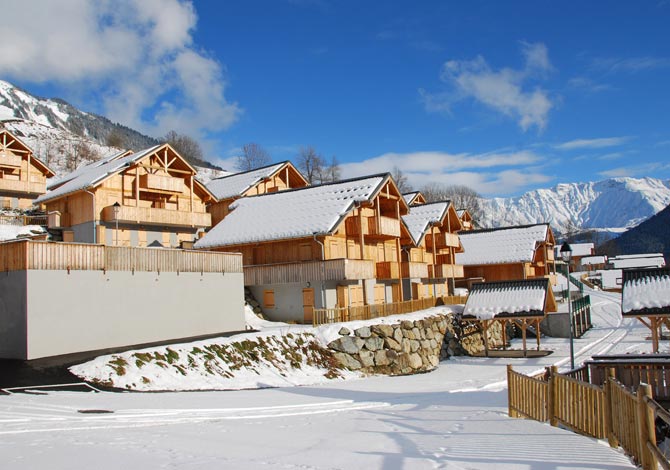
(27,254)
(366,312)
(625,418)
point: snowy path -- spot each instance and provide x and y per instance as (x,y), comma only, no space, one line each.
(452,418)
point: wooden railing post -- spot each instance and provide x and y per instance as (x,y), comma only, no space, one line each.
(552,396)
(510,385)
(646,426)
(607,388)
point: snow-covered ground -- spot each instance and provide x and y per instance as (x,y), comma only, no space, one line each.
(452,418)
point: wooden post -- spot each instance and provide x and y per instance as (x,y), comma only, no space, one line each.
(552,396)
(524,325)
(537,333)
(510,411)
(643,436)
(485,327)
(607,389)
(650,419)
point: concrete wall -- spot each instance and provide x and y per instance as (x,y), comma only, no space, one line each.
(91,310)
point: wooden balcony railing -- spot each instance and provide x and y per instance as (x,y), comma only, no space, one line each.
(10,160)
(307,271)
(17,186)
(414,270)
(445,270)
(161,183)
(388,270)
(442,240)
(383,227)
(24,255)
(153,216)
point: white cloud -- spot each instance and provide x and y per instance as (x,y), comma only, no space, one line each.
(473,170)
(593,143)
(636,170)
(506,90)
(586,84)
(630,64)
(137,56)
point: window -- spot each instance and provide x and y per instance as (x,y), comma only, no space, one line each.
(269,299)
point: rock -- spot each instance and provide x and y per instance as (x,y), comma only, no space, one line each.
(392,356)
(414,345)
(416,332)
(347,344)
(347,361)
(381,358)
(363,332)
(367,358)
(409,334)
(405,345)
(425,344)
(397,334)
(415,361)
(344,331)
(382,330)
(373,343)
(390,343)
(406,325)
(433,360)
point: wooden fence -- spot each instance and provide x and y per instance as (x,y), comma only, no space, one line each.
(581,315)
(21,219)
(28,254)
(625,418)
(366,312)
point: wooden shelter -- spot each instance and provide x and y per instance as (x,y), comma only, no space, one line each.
(323,246)
(521,302)
(646,296)
(23,177)
(508,253)
(429,266)
(268,179)
(152,196)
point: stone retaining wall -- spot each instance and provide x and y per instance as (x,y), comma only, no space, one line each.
(408,347)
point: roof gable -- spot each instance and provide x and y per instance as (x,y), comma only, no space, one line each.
(502,245)
(522,298)
(646,292)
(295,213)
(421,217)
(237,184)
(415,197)
(15,145)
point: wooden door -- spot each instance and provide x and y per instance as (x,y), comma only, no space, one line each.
(308,304)
(395,292)
(380,294)
(342,296)
(356,296)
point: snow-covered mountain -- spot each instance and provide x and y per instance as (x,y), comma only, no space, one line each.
(65,137)
(612,205)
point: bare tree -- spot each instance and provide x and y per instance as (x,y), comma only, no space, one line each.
(79,151)
(401,180)
(253,156)
(332,172)
(115,138)
(462,197)
(311,164)
(186,146)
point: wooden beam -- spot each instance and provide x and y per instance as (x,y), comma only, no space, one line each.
(172,170)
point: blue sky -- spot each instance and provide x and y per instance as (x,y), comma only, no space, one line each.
(501,96)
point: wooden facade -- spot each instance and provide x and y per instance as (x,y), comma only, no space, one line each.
(279,178)
(466,219)
(23,177)
(429,265)
(161,202)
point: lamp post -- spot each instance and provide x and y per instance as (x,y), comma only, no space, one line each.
(117,208)
(566,255)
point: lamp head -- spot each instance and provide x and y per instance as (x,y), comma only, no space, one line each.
(566,252)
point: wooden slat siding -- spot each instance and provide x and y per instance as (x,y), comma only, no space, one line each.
(414,270)
(330,270)
(150,215)
(23,255)
(580,373)
(528,396)
(581,406)
(387,270)
(17,186)
(383,226)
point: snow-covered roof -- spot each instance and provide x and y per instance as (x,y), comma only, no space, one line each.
(593,260)
(646,291)
(55,182)
(93,174)
(501,245)
(238,183)
(578,249)
(409,197)
(507,299)
(48,172)
(649,260)
(421,217)
(294,213)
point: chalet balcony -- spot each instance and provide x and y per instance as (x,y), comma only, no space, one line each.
(442,240)
(388,270)
(414,270)
(16,186)
(161,184)
(342,269)
(153,216)
(374,227)
(10,160)
(439,271)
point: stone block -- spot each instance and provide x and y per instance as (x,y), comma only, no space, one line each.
(366,358)
(381,358)
(374,343)
(347,361)
(344,331)
(363,332)
(390,343)
(397,334)
(414,345)
(382,330)
(347,344)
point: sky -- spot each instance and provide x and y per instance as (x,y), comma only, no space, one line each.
(503,97)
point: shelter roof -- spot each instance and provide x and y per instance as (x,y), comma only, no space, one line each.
(646,292)
(520,298)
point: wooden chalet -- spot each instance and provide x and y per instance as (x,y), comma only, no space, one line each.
(429,266)
(152,196)
(508,253)
(522,302)
(326,246)
(414,198)
(466,219)
(646,296)
(268,179)
(23,177)
(579,251)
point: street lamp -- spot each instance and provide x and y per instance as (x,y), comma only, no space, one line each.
(117,208)
(566,255)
